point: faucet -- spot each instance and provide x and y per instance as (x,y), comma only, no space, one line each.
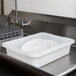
(21,22)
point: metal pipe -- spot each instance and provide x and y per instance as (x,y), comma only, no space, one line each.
(16,13)
(2,7)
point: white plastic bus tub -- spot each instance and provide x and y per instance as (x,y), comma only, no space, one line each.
(41,57)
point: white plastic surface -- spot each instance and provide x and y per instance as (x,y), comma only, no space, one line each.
(35,46)
(39,49)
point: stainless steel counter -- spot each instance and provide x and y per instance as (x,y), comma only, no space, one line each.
(61,65)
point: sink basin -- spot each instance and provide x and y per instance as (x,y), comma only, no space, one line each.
(39,49)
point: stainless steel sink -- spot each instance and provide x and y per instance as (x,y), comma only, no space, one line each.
(69,72)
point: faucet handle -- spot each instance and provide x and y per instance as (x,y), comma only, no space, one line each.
(25,22)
